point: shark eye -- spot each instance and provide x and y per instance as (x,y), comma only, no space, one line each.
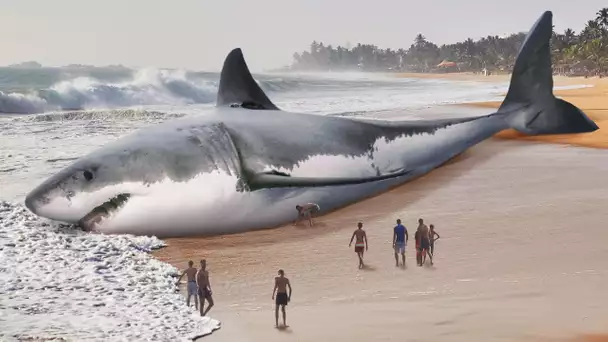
(88,175)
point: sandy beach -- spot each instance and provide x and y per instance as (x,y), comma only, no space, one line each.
(522,254)
(592,100)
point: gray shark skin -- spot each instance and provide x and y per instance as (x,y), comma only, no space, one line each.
(277,159)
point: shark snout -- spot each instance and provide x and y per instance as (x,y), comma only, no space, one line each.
(29,202)
(51,200)
(36,199)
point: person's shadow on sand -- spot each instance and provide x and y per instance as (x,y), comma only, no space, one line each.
(367,268)
(307,227)
(284,329)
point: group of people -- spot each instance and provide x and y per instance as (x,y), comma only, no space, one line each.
(199,286)
(425,238)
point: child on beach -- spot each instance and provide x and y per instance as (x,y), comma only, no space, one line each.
(432,239)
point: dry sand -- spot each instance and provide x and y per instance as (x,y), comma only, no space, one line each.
(523,254)
(593,101)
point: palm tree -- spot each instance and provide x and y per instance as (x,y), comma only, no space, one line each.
(602,17)
(595,50)
(491,51)
(592,31)
(420,40)
(569,37)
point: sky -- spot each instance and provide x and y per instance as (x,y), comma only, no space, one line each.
(197,34)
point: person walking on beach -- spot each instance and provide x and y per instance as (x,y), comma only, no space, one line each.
(400,238)
(190,272)
(432,239)
(306,211)
(424,241)
(418,250)
(204,288)
(281,283)
(361,244)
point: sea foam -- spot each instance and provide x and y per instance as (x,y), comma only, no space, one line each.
(58,282)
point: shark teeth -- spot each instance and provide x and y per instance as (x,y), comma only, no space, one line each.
(89,221)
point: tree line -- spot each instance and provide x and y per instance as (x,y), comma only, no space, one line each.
(585,53)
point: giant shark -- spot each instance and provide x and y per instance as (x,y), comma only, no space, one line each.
(273,160)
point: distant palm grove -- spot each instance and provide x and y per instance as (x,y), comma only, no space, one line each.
(584,54)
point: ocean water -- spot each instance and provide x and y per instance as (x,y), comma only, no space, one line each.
(58,282)
(76,115)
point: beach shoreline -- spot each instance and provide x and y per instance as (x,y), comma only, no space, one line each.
(438,300)
(593,100)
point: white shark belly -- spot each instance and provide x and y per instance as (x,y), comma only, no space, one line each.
(210,204)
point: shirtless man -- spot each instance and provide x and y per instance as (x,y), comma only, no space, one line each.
(190,272)
(424,241)
(281,283)
(306,211)
(204,288)
(360,243)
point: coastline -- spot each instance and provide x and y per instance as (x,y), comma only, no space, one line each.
(505,288)
(593,100)
(443,300)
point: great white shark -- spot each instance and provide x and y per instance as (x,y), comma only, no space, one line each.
(273,160)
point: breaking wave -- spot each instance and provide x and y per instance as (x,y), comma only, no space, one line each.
(125,114)
(58,283)
(148,87)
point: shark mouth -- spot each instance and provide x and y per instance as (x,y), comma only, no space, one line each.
(90,221)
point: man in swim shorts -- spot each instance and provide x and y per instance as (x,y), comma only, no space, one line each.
(400,238)
(190,272)
(204,288)
(424,241)
(281,283)
(306,211)
(360,243)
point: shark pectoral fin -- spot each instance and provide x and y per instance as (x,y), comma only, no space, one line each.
(238,88)
(275,179)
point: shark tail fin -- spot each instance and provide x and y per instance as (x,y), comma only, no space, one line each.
(238,88)
(530,106)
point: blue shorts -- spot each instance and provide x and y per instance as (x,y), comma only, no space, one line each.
(192,288)
(400,247)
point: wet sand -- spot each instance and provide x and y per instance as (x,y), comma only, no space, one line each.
(523,257)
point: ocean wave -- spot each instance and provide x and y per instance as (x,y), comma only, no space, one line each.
(58,282)
(103,114)
(148,87)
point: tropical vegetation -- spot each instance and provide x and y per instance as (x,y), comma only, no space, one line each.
(585,53)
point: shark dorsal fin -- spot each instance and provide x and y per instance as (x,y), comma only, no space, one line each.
(237,86)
